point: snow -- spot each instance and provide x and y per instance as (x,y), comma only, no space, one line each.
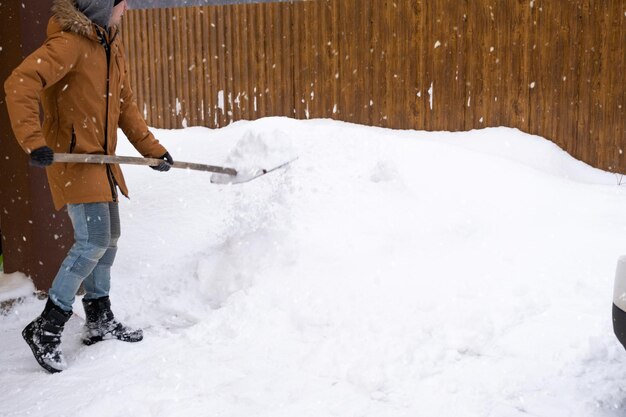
(383,273)
(14,286)
(430,95)
(256,152)
(220,101)
(619,290)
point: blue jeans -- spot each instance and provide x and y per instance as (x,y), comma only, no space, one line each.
(89,261)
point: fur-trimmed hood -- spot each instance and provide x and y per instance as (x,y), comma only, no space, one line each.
(71,19)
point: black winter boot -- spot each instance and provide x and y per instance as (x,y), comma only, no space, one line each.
(101,324)
(43,335)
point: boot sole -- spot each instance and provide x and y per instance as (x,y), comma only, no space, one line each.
(40,361)
(93,340)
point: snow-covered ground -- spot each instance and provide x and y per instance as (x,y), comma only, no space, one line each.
(15,286)
(384,273)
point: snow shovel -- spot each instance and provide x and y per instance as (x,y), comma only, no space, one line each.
(230,175)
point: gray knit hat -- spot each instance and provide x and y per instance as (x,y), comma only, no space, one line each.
(98,11)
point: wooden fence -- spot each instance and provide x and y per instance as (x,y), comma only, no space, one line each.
(552,68)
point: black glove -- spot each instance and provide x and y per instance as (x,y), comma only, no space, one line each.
(166,164)
(41,157)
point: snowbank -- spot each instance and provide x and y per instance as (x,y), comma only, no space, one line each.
(383,273)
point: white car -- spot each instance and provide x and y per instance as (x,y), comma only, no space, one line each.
(619,301)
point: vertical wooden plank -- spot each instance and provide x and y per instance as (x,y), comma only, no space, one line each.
(278,62)
(335,57)
(287,48)
(321,63)
(151,58)
(155,57)
(553,84)
(142,61)
(214,48)
(145,59)
(155,98)
(197,67)
(323,69)
(346,84)
(189,103)
(315,57)
(364,63)
(456,49)
(177,98)
(512,51)
(241,91)
(393,66)
(181,61)
(234,49)
(244,63)
(355,62)
(615,63)
(222,107)
(164,88)
(586,145)
(392,58)
(312,59)
(560,68)
(271,43)
(598,90)
(305,58)
(260,57)
(431,64)
(204,23)
(396,115)
(152,93)
(250,63)
(202,74)
(130,42)
(380,30)
(229,91)
(477,96)
(300,61)
(172,72)
(610,116)
(414,53)
(492,69)
(160,58)
(136,63)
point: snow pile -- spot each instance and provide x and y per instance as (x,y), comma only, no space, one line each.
(256,153)
(529,150)
(14,286)
(384,273)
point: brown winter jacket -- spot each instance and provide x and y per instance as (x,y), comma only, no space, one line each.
(69,74)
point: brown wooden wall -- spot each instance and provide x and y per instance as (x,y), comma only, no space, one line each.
(552,68)
(35,237)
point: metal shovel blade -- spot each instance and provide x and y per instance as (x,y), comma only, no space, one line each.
(243,177)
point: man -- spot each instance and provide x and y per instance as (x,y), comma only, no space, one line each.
(80,75)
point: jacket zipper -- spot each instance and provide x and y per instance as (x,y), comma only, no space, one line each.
(73,141)
(107,50)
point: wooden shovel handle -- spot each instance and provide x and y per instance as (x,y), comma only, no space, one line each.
(134,160)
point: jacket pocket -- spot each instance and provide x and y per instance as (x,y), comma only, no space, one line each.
(73,141)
